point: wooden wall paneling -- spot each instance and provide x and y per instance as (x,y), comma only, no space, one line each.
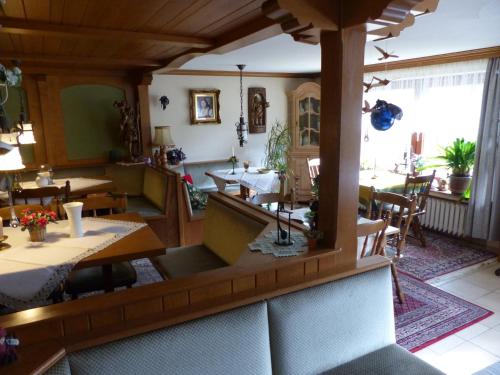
(53,142)
(35,111)
(342,55)
(145,119)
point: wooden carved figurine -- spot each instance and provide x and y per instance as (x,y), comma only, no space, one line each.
(128,128)
(257,105)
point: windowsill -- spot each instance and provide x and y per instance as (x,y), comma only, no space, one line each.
(447,195)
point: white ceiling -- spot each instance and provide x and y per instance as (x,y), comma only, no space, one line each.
(457,25)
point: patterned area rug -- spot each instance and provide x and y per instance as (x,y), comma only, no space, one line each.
(441,256)
(430,314)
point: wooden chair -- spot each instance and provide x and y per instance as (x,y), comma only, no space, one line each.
(401,208)
(374,237)
(313,165)
(59,195)
(281,197)
(92,279)
(365,198)
(104,203)
(420,187)
(18,209)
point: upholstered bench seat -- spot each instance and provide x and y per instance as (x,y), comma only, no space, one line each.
(143,206)
(185,261)
(391,360)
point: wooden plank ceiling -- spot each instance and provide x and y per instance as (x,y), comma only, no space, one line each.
(117,33)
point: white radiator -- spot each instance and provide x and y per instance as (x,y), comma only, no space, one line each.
(444,216)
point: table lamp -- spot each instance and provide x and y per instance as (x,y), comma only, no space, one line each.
(10,161)
(163,139)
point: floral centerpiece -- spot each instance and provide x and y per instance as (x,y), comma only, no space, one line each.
(36,223)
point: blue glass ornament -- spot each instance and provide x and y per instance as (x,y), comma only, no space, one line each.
(384,114)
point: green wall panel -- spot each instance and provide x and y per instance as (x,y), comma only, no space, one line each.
(12,109)
(91,123)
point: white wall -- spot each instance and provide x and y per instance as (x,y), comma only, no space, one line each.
(213,142)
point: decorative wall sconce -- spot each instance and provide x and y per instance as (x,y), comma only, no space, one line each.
(164,101)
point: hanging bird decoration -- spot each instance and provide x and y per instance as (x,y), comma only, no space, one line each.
(384,114)
(385,55)
(366,108)
(379,83)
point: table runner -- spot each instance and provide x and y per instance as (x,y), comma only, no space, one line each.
(30,271)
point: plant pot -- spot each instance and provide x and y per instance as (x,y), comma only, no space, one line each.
(37,234)
(458,185)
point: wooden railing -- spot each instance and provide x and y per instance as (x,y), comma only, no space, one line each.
(47,333)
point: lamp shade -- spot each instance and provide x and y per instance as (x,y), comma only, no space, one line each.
(27,137)
(162,137)
(11,160)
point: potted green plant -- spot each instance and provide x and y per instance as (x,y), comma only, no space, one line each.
(277,145)
(459,158)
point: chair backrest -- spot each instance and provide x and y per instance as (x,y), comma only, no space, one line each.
(419,186)
(401,208)
(109,202)
(313,165)
(58,194)
(365,198)
(18,209)
(374,236)
(280,197)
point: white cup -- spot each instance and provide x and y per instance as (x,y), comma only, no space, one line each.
(74,212)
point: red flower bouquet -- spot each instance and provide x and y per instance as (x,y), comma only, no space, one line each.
(36,222)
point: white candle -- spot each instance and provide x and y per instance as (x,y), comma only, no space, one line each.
(233,150)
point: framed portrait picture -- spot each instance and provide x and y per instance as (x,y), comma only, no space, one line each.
(204,106)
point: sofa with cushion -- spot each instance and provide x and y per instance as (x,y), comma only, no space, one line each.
(344,326)
(225,236)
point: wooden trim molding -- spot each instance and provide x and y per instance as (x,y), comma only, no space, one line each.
(475,54)
(227,73)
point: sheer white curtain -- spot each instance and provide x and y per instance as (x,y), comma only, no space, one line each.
(441,101)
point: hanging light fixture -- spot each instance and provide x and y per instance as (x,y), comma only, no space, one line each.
(241,126)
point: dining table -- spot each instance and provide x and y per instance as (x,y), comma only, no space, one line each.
(383,181)
(79,186)
(256,179)
(30,271)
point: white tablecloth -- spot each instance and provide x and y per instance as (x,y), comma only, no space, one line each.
(30,271)
(259,182)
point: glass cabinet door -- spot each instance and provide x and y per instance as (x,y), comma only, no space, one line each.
(309,109)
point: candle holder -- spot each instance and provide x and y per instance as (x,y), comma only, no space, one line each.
(233,160)
(283,236)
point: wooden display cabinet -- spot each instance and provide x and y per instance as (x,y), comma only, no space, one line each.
(304,123)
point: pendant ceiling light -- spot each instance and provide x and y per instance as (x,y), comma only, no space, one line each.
(241,126)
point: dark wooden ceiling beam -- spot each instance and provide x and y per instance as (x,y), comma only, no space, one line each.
(241,36)
(79,60)
(22,27)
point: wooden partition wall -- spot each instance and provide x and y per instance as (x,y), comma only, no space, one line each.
(47,333)
(74,121)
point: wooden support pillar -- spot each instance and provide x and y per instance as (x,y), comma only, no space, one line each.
(143,98)
(342,58)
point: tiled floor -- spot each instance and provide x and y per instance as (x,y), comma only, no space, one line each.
(477,346)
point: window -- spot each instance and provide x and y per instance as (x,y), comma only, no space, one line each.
(443,102)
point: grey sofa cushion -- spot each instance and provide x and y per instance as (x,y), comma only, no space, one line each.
(142,206)
(60,368)
(391,360)
(233,342)
(185,261)
(320,328)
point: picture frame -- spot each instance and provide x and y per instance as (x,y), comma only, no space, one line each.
(204,106)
